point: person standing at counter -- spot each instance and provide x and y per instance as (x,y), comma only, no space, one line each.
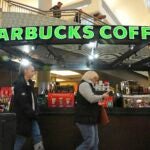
(25,107)
(87,111)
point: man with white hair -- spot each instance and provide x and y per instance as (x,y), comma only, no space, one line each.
(25,107)
(87,111)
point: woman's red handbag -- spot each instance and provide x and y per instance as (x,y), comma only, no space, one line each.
(103,117)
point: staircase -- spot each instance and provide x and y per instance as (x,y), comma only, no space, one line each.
(14,14)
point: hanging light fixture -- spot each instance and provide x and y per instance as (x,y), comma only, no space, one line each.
(93,56)
(25,62)
(93,46)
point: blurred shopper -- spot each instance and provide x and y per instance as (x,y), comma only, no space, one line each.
(56,10)
(77,17)
(25,107)
(87,111)
(99,16)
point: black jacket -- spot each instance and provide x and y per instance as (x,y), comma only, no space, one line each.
(86,112)
(23,106)
(56,11)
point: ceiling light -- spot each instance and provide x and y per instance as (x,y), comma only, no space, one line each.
(33,48)
(24,62)
(92,44)
(15,60)
(59,80)
(26,48)
(26,51)
(91,57)
(96,56)
(131,47)
(64,72)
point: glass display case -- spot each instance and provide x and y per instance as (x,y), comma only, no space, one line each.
(136,101)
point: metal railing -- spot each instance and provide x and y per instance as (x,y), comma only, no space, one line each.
(68,14)
(12,6)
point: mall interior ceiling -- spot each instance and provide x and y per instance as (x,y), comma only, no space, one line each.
(77,56)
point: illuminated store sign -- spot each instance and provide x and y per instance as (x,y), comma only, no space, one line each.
(75,34)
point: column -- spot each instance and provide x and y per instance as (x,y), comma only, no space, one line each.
(43,80)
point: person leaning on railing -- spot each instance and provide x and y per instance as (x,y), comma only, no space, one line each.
(98,16)
(56,10)
(77,17)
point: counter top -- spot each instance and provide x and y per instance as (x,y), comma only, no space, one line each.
(111,111)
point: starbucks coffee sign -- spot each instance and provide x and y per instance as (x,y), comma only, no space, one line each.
(75,34)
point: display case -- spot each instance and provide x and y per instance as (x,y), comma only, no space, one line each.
(131,87)
(5,97)
(136,101)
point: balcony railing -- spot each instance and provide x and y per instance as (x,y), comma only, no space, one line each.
(69,14)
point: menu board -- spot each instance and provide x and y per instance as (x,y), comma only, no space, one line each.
(5,97)
(61,100)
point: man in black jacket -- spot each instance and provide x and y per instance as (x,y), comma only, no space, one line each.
(25,107)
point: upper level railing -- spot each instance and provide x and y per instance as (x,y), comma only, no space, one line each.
(69,14)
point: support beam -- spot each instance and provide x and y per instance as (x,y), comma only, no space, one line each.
(140,68)
(128,54)
(52,51)
(142,62)
(92,66)
(43,79)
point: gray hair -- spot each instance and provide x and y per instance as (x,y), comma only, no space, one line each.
(89,75)
(22,68)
